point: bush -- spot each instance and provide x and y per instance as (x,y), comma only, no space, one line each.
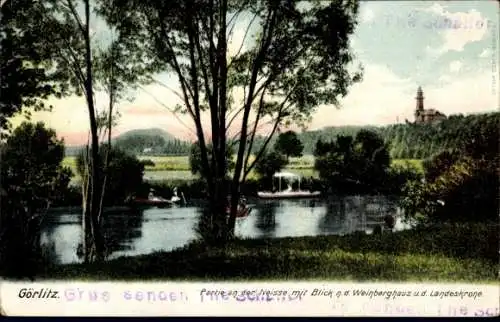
(456,190)
(124,175)
(148,163)
(32,178)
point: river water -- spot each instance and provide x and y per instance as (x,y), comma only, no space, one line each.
(134,232)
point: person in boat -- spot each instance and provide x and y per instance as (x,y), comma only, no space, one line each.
(242,204)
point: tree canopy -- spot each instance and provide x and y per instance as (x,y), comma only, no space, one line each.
(269,164)
(32,172)
(347,160)
(125,173)
(27,78)
(32,178)
(289,144)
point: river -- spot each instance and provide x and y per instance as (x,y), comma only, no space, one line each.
(134,232)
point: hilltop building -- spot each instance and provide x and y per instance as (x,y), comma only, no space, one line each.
(423,116)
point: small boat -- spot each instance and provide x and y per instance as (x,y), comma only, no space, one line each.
(287,193)
(243,210)
(176,199)
(150,201)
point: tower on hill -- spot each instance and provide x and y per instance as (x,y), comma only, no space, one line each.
(423,116)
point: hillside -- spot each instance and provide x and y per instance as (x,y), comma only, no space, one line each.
(406,141)
(147,132)
(411,141)
(153,141)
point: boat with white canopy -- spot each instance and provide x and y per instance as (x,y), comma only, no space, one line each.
(287,178)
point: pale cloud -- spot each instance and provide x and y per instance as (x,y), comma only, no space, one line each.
(473,94)
(445,78)
(384,98)
(485,53)
(455,66)
(381,98)
(367,15)
(458,28)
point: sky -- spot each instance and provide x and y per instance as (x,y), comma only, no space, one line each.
(449,48)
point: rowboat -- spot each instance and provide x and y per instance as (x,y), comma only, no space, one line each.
(151,202)
(156,201)
(288,194)
(243,209)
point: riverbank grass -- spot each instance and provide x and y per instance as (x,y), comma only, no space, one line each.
(167,168)
(453,254)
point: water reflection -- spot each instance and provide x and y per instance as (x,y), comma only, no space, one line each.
(334,219)
(134,232)
(122,229)
(266,218)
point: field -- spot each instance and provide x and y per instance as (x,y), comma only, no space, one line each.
(177,167)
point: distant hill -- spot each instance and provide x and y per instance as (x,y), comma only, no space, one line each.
(406,141)
(153,141)
(147,132)
(411,141)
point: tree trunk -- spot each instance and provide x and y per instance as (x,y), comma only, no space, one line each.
(86,233)
(95,184)
(221,197)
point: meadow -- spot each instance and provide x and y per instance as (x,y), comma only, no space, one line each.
(177,167)
(427,254)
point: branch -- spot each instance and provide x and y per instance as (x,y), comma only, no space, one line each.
(234,117)
(237,13)
(175,65)
(266,142)
(278,118)
(242,41)
(196,102)
(237,137)
(168,108)
(250,145)
(79,22)
(75,68)
(179,95)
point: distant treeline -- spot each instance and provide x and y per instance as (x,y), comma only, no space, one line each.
(152,145)
(411,141)
(144,145)
(406,141)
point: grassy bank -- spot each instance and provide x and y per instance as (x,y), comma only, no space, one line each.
(466,253)
(177,167)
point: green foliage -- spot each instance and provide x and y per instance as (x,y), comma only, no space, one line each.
(462,184)
(139,144)
(31,165)
(289,144)
(32,178)
(400,176)
(349,162)
(269,164)
(151,142)
(195,158)
(410,141)
(26,76)
(148,163)
(124,175)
